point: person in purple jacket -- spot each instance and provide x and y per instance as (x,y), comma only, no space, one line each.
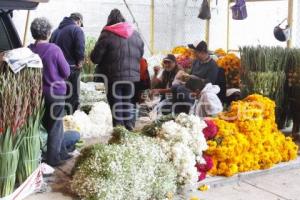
(55,71)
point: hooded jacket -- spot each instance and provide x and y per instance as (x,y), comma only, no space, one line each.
(70,38)
(118,52)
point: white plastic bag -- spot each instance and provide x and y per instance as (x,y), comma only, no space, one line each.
(209,103)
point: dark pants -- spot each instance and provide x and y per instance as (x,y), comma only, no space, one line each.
(182,100)
(73,90)
(52,122)
(121,102)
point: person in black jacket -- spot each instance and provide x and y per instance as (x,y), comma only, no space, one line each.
(204,68)
(70,38)
(117,54)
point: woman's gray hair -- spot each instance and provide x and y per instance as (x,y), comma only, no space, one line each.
(40,28)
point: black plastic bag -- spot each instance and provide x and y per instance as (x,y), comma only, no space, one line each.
(205,11)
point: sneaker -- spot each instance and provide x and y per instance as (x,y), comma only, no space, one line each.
(66,157)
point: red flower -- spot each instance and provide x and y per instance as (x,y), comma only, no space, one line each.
(202,176)
(205,167)
(211,130)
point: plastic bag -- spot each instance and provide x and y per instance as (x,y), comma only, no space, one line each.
(209,103)
(239,10)
(205,11)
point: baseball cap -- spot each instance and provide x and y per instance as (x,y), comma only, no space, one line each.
(170,57)
(199,46)
(77,16)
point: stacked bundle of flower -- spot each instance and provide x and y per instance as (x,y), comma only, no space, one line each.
(183,140)
(20,115)
(248,138)
(231,64)
(132,167)
(184,56)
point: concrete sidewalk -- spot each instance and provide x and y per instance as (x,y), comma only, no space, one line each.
(279,183)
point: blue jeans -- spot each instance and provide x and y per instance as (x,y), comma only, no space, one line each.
(70,139)
(52,122)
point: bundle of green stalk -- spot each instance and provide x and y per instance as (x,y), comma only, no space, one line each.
(264,59)
(30,153)
(19,101)
(88,65)
(293,68)
(270,84)
(263,72)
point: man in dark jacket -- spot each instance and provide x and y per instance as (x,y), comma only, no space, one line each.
(205,68)
(117,54)
(70,38)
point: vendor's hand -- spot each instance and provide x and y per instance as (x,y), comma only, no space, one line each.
(186,77)
(79,65)
(154,92)
(196,94)
(156,70)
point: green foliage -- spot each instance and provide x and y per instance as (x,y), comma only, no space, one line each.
(268,71)
(88,65)
(152,129)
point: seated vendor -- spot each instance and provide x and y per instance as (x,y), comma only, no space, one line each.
(162,81)
(205,68)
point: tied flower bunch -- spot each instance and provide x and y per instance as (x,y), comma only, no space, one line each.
(183,142)
(248,138)
(231,64)
(220,52)
(20,115)
(184,57)
(131,167)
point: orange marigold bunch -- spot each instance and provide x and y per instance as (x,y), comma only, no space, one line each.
(231,64)
(248,138)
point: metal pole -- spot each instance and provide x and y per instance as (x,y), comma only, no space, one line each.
(228,26)
(290,21)
(207,31)
(152,28)
(26,28)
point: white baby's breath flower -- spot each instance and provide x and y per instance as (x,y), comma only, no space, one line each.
(186,142)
